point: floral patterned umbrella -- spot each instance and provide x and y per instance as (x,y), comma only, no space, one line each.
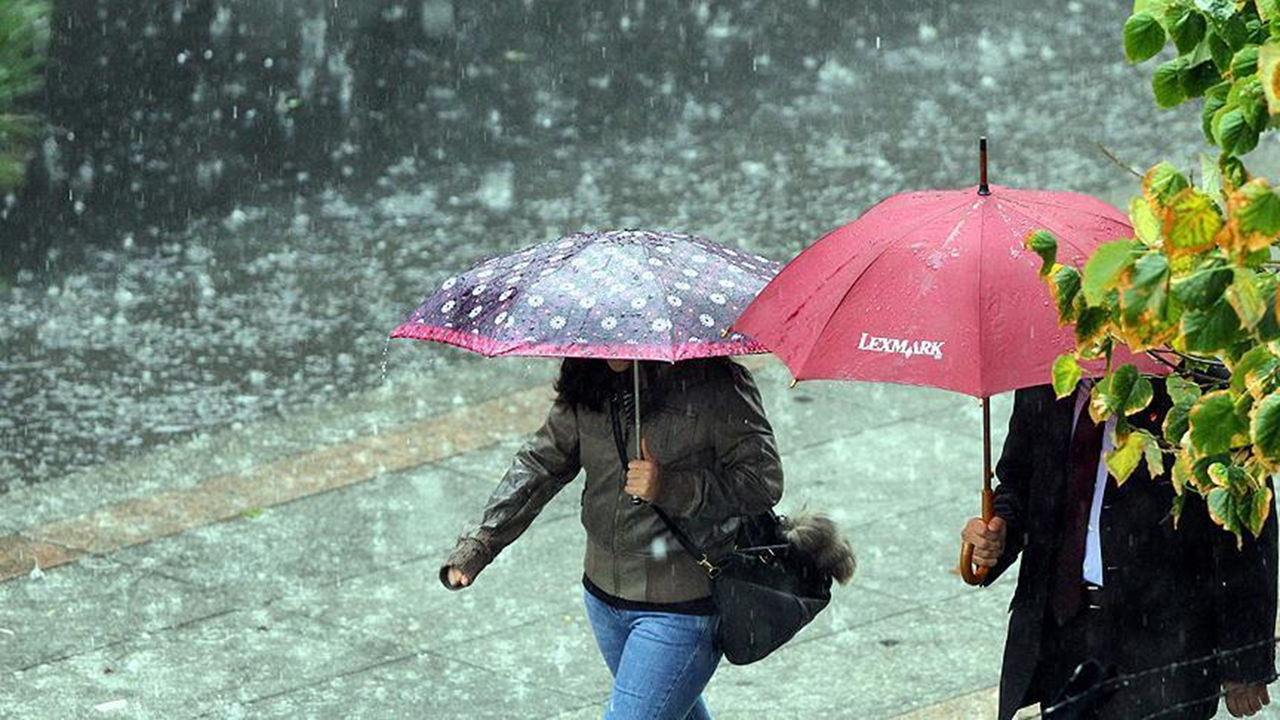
(624,294)
(630,294)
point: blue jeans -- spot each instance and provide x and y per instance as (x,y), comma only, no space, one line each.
(660,661)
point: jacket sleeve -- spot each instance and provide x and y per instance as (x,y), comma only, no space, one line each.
(748,479)
(546,463)
(1014,471)
(1245,597)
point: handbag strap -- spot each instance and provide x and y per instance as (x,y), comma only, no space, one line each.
(681,537)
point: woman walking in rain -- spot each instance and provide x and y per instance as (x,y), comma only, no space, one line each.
(707,457)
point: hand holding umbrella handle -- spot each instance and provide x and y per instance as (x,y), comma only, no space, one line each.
(972,574)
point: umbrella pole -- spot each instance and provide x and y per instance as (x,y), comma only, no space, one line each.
(975,575)
(635,376)
(635,380)
(983,189)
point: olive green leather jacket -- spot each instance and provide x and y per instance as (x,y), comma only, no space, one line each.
(718,462)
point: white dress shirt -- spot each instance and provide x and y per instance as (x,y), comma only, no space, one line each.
(1092,570)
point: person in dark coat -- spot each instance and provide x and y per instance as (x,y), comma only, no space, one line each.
(1106,577)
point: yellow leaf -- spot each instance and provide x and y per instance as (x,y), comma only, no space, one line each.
(1191,223)
(1268,64)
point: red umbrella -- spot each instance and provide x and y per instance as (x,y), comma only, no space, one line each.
(934,288)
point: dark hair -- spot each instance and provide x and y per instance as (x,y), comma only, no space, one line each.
(590,383)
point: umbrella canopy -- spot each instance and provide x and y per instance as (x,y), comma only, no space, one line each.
(631,294)
(932,288)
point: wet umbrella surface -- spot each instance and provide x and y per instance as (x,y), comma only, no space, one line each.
(631,294)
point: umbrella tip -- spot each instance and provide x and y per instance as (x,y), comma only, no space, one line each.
(724,333)
(983,188)
(794,382)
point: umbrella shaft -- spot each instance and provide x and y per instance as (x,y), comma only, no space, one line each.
(635,376)
(986,444)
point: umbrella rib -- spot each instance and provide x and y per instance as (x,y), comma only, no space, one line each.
(665,291)
(887,246)
(1062,236)
(845,296)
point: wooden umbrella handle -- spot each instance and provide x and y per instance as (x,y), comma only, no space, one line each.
(972,574)
(975,575)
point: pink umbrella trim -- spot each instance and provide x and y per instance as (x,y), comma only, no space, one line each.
(490,347)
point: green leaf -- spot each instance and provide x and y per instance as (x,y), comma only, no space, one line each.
(1220,10)
(1268,10)
(1231,28)
(1244,62)
(1246,299)
(1253,103)
(1143,37)
(1044,244)
(1145,297)
(1197,78)
(1145,224)
(1162,183)
(1202,288)
(1209,331)
(1231,477)
(1166,84)
(1151,451)
(1122,392)
(1065,287)
(1191,223)
(1090,323)
(1176,423)
(1122,461)
(1215,98)
(1257,510)
(1261,211)
(1156,8)
(1222,509)
(1220,50)
(1104,268)
(1150,271)
(1181,390)
(1066,375)
(1253,372)
(1215,426)
(1233,172)
(1233,133)
(1265,429)
(1210,177)
(1187,30)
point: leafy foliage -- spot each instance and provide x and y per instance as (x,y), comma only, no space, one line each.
(24,37)
(1196,285)
(1197,280)
(1226,52)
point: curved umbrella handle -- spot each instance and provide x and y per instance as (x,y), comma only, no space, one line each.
(972,574)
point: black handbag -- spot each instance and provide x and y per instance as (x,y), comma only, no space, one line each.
(763,592)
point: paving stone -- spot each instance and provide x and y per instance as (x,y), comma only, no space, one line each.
(89,604)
